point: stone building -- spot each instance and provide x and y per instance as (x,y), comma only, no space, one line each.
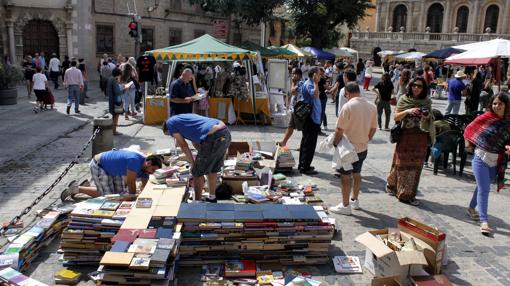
(89,28)
(426,25)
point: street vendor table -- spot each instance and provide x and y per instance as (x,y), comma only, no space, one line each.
(156,110)
(219,107)
(246,106)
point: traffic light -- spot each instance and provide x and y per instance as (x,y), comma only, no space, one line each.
(133,29)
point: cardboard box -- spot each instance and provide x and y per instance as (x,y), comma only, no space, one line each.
(386,281)
(432,236)
(238,147)
(236,182)
(382,261)
(266,149)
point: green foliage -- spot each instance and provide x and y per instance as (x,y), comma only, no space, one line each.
(10,75)
(315,21)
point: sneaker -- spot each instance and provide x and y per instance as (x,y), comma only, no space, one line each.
(341,209)
(68,109)
(77,111)
(309,172)
(209,200)
(355,204)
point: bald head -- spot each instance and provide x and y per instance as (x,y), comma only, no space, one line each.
(187,74)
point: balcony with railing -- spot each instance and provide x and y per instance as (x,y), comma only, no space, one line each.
(425,36)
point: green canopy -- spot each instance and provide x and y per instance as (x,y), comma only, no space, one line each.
(284,53)
(264,52)
(204,48)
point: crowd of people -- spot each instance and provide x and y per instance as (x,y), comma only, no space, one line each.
(415,127)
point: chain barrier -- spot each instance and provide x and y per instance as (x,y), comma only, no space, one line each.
(27,210)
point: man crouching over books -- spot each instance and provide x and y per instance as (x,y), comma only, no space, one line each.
(108,170)
(210,137)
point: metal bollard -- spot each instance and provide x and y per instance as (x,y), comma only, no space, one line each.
(104,139)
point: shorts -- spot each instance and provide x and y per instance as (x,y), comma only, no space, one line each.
(295,123)
(106,184)
(356,166)
(211,153)
(40,94)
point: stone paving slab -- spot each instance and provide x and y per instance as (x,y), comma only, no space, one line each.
(473,258)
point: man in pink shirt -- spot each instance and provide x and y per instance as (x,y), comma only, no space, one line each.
(358,122)
(73,80)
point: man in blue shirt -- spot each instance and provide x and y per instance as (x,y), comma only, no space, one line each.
(312,125)
(108,170)
(181,90)
(456,89)
(210,137)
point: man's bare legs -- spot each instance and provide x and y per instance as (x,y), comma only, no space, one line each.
(286,137)
(346,189)
(356,186)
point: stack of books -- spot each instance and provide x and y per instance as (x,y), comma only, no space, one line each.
(272,233)
(284,159)
(26,247)
(67,277)
(11,277)
(93,223)
(162,174)
(145,249)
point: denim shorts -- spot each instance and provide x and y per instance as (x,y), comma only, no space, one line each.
(356,166)
(211,153)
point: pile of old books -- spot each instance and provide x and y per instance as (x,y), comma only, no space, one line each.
(145,249)
(286,234)
(92,225)
(11,277)
(26,247)
(284,159)
(142,257)
(172,176)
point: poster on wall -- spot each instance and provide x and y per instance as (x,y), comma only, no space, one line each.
(220,29)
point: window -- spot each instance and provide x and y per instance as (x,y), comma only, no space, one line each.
(462,19)
(399,17)
(199,33)
(147,40)
(104,39)
(491,18)
(435,18)
(175,37)
(175,4)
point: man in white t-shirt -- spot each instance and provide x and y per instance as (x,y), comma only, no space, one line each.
(54,67)
(349,76)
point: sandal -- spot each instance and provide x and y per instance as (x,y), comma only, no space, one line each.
(485,229)
(389,191)
(71,190)
(473,214)
(414,202)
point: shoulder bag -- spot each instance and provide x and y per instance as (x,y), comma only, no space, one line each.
(302,110)
(395,133)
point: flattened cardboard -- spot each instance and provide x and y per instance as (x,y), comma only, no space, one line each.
(170,210)
(117,258)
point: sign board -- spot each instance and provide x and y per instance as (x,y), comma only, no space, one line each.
(278,74)
(220,29)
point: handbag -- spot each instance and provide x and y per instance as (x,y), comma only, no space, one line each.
(302,110)
(395,133)
(118,109)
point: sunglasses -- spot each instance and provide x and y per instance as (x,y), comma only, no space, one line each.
(417,85)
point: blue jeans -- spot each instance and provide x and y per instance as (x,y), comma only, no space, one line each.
(84,92)
(484,175)
(453,107)
(129,99)
(74,95)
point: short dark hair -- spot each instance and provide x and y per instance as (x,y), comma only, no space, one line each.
(116,72)
(312,71)
(73,63)
(164,127)
(424,90)
(340,65)
(38,69)
(156,160)
(350,75)
(297,71)
(352,87)
(503,97)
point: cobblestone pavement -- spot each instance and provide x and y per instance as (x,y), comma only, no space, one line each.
(43,144)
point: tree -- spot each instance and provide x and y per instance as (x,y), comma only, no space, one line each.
(315,21)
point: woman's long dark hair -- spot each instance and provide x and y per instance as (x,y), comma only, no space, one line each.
(424,90)
(385,79)
(503,97)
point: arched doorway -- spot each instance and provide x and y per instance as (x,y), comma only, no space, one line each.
(377,58)
(40,36)
(399,17)
(435,18)
(462,19)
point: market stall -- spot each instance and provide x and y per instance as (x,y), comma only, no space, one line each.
(298,51)
(283,53)
(207,49)
(340,53)
(320,54)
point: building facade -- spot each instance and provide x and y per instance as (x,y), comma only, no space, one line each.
(90,28)
(426,25)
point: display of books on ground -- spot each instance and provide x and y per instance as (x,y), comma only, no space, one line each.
(285,234)
(284,159)
(67,277)
(11,277)
(145,249)
(25,247)
(92,225)
(347,264)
